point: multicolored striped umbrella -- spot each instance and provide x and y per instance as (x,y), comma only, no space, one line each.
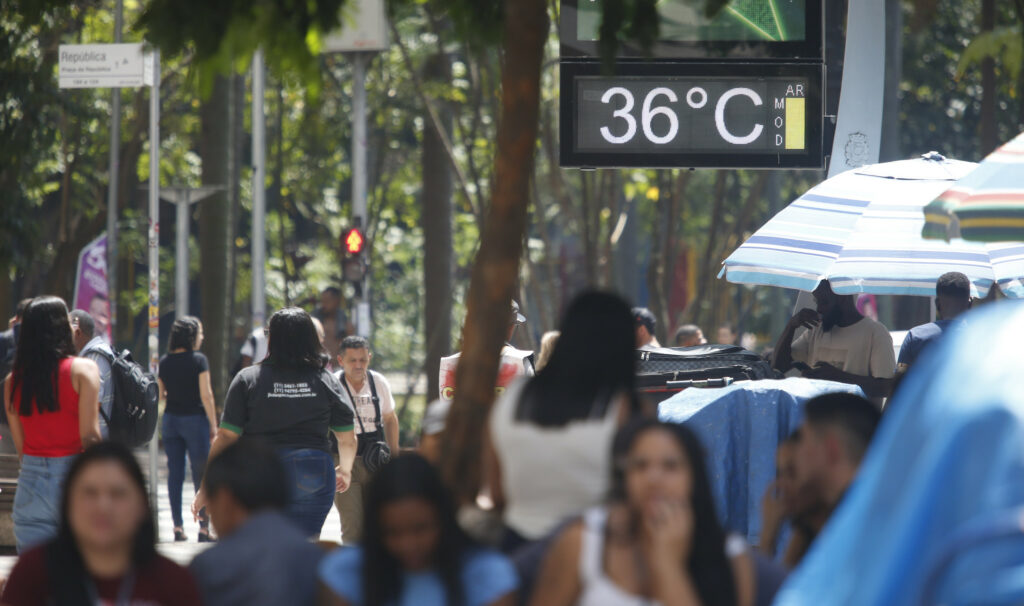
(861,230)
(987,205)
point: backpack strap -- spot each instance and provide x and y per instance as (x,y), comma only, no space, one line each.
(110,358)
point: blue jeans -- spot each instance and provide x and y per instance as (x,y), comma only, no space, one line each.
(36,513)
(312,486)
(191,434)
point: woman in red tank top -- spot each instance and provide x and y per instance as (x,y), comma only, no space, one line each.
(52,404)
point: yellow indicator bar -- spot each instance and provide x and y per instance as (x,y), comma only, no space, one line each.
(795,123)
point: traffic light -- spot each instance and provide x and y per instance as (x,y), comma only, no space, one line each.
(353,265)
(352,241)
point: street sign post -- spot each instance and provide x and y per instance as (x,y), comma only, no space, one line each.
(101,65)
(364,27)
(118,66)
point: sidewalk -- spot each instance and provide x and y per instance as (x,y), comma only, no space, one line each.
(183,553)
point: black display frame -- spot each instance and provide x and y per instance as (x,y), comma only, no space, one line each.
(812,158)
(811,48)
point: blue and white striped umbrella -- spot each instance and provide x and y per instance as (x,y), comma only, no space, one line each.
(861,230)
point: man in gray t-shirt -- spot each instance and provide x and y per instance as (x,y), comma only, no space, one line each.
(93,346)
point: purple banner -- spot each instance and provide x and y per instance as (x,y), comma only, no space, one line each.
(91,292)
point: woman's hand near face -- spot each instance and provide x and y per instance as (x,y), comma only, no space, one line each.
(669,528)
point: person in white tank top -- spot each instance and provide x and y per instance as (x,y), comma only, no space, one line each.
(658,543)
(550,435)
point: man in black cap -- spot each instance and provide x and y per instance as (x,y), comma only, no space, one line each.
(645,322)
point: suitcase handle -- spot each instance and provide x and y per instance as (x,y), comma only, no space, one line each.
(720,382)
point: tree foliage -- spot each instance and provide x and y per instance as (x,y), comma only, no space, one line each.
(223,35)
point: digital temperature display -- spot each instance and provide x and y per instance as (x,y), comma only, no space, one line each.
(692,115)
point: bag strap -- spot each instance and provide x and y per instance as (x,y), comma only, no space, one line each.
(110,358)
(344,384)
(373,392)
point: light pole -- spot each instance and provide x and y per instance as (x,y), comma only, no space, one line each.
(183,197)
(259,193)
(360,61)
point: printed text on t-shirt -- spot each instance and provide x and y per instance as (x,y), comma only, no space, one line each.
(292,390)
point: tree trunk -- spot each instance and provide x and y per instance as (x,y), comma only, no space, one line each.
(6,300)
(496,269)
(215,229)
(989,135)
(236,311)
(436,221)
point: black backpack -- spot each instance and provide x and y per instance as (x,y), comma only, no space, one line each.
(133,411)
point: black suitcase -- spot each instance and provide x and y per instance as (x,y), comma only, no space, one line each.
(657,369)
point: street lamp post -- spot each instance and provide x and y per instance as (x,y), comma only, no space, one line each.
(182,197)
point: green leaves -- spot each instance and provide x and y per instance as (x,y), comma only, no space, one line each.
(636,21)
(622,20)
(223,35)
(1004,44)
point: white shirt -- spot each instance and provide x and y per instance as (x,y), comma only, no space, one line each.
(549,473)
(363,400)
(259,352)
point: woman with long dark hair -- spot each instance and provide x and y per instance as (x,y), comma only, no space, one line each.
(52,402)
(413,552)
(190,419)
(551,435)
(105,550)
(658,541)
(291,401)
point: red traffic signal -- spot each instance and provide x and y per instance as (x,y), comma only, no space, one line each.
(352,241)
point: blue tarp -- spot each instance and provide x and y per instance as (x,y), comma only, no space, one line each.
(944,475)
(741,427)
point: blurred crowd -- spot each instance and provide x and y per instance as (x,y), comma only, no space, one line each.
(587,498)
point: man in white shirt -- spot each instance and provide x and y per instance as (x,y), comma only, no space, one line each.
(255,348)
(375,421)
(839,345)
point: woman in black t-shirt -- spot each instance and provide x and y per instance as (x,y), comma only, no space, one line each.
(190,421)
(291,401)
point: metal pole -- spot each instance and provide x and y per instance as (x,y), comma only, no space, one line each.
(115,171)
(154,263)
(181,209)
(359,64)
(259,192)
(859,123)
